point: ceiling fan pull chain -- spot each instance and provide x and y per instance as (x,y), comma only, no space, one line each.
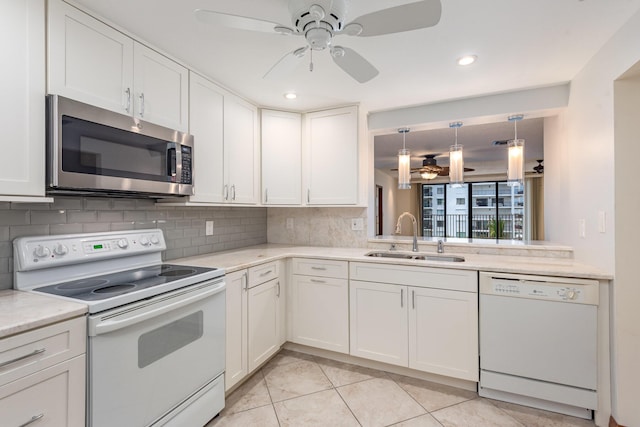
(311,62)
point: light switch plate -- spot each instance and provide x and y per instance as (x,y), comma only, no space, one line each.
(208,228)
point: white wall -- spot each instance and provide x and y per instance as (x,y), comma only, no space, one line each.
(581,174)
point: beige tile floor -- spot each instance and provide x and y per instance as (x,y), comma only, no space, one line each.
(295,389)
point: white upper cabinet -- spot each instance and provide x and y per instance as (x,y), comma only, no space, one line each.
(241,151)
(206,104)
(91,62)
(330,157)
(161,89)
(281,158)
(22,43)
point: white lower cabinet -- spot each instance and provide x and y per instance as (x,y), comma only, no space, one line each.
(255,318)
(236,328)
(417,317)
(320,304)
(42,376)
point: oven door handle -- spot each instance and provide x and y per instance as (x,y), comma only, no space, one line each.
(156,308)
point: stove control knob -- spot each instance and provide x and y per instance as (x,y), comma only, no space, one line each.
(144,241)
(42,251)
(155,240)
(60,249)
(571,294)
(123,244)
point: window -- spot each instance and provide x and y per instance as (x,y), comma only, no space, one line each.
(479,210)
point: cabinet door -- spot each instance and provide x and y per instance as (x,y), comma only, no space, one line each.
(22,43)
(51,397)
(443,332)
(281,158)
(161,89)
(241,150)
(264,322)
(331,157)
(88,60)
(206,102)
(320,312)
(236,328)
(379,322)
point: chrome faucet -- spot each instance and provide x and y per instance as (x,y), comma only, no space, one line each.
(440,246)
(415,228)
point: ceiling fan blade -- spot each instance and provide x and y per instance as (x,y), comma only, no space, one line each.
(408,17)
(286,64)
(211,17)
(353,64)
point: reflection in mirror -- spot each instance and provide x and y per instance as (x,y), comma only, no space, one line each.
(485,207)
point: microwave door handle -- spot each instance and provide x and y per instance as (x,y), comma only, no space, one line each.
(171,161)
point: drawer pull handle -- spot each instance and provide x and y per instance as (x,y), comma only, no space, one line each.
(319,268)
(26,356)
(401,297)
(245,282)
(266,273)
(413,299)
(317,281)
(278,294)
(32,420)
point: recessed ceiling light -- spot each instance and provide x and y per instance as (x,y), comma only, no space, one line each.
(290,95)
(467,60)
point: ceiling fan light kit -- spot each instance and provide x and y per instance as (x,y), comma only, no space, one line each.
(515,166)
(456,160)
(320,20)
(404,163)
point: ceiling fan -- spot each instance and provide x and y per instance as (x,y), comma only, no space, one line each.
(430,168)
(319,21)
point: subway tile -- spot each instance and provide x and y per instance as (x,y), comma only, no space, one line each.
(191,232)
(191,251)
(177,214)
(198,223)
(49,217)
(192,213)
(4,265)
(199,241)
(74,203)
(183,223)
(109,216)
(124,204)
(28,230)
(6,249)
(65,228)
(14,217)
(165,224)
(148,204)
(173,234)
(181,243)
(6,281)
(97,203)
(173,254)
(96,227)
(4,233)
(157,214)
(7,206)
(30,206)
(81,216)
(205,249)
(134,215)
(143,225)
(122,226)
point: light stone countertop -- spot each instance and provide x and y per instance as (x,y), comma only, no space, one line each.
(22,311)
(240,259)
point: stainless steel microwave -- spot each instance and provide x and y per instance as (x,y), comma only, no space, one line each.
(95,151)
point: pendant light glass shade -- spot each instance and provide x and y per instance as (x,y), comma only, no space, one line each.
(515,165)
(456,160)
(515,169)
(404,164)
(428,175)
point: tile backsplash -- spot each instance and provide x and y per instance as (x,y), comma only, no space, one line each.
(183,227)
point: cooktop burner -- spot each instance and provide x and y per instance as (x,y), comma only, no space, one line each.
(122,282)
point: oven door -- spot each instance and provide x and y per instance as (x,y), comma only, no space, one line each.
(147,358)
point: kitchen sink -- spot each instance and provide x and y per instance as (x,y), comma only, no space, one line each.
(416,256)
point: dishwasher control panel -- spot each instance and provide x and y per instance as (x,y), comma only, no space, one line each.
(580,291)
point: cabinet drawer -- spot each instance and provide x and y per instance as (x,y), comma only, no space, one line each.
(26,353)
(262,273)
(321,267)
(424,277)
(52,397)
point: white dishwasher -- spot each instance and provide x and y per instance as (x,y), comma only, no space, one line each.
(538,342)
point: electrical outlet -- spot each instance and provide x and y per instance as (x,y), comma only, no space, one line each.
(289,224)
(582,228)
(357,224)
(208,228)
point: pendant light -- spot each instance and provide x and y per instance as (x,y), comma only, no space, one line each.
(404,163)
(456,161)
(515,168)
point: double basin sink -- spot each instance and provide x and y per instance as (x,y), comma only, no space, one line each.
(416,256)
